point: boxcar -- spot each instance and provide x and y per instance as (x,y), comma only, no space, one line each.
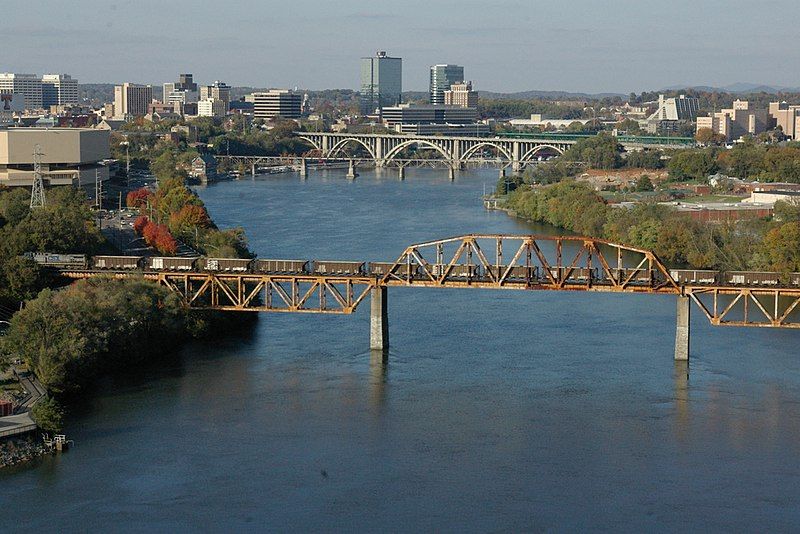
(281,266)
(689,276)
(752,278)
(117,262)
(67,261)
(231,265)
(346,268)
(171,263)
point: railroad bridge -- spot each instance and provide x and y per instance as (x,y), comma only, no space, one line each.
(488,261)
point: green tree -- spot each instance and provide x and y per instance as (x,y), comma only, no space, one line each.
(600,151)
(691,165)
(644,183)
(48,414)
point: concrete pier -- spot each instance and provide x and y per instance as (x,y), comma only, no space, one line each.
(253,169)
(351,171)
(378,320)
(303,168)
(682,334)
(502,172)
(451,174)
(402,172)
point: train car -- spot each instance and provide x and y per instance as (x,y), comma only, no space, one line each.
(117,262)
(157,263)
(458,270)
(694,276)
(637,276)
(62,261)
(281,266)
(517,273)
(577,274)
(752,278)
(376,268)
(343,268)
(792,279)
(228,265)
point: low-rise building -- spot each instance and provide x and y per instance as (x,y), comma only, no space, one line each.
(69,156)
(204,167)
(537,121)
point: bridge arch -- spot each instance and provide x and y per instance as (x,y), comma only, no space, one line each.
(311,142)
(538,148)
(471,150)
(344,142)
(405,144)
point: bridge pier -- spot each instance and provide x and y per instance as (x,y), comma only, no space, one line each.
(451,173)
(378,319)
(502,172)
(253,169)
(402,172)
(303,168)
(351,171)
(682,332)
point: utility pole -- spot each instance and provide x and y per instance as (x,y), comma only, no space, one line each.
(98,190)
(37,190)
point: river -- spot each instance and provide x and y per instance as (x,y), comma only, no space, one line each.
(496,411)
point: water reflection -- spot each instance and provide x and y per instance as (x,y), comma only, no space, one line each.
(379,375)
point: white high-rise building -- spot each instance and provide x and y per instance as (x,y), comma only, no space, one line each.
(27,85)
(216,91)
(59,90)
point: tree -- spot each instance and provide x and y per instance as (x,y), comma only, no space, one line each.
(691,165)
(601,151)
(21,278)
(782,247)
(138,198)
(707,136)
(644,183)
(139,224)
(48,414)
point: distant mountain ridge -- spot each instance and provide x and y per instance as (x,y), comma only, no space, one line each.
(736,88)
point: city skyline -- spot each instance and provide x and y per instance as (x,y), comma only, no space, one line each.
(582,47)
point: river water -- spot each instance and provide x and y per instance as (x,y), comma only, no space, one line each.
(496,411)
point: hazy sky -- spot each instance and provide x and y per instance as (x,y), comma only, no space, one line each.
(505,45)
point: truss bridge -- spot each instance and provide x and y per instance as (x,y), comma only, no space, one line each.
(477,261)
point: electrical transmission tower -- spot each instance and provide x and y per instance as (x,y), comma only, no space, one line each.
(37,191)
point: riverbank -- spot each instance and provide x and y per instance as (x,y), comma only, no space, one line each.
(22,449)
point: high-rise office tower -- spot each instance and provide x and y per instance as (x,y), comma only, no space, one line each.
(442,77)
(381,82)
(59,90)
(131,100)
(27,85)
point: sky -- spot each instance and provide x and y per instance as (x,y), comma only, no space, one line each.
(588,46)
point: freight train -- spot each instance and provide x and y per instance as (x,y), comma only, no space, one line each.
(578,275)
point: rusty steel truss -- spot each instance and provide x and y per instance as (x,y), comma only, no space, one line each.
(496,261)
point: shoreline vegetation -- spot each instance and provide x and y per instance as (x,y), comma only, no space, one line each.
(73,335)
(550,194)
